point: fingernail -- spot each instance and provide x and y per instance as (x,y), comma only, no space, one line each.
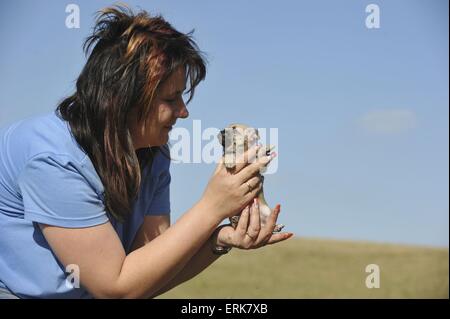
(255,202)
(277,209)
(289,235)
(273,154)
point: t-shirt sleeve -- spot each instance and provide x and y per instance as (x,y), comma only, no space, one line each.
(160,203)
(56,190)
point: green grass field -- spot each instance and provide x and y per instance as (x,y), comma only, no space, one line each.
(311,268)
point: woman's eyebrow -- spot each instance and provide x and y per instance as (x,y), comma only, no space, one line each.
(178,92)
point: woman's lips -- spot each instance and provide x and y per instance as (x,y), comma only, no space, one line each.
(170,126)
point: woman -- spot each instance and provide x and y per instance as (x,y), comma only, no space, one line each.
(84,190)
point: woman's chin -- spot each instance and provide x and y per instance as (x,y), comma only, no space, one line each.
(161,140)
(164,138)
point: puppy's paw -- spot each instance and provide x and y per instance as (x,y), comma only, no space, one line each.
(278,228)
(265,150)
(234,221)
(230,161)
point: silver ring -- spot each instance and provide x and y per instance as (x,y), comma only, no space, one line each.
(253,238)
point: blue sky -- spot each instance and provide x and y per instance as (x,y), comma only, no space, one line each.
(362,114)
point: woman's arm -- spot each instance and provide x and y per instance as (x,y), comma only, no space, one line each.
(105,269)
(107,272)
(153,226)
(199,262)
(226,235)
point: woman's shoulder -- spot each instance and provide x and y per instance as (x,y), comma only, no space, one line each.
(162,159)
(43,142)
(41,134)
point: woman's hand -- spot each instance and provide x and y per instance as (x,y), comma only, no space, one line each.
(248,233)
(227,193)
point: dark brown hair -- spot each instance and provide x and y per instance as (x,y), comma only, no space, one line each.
(131,55)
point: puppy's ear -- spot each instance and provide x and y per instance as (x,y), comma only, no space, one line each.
(226,137)
(221,137)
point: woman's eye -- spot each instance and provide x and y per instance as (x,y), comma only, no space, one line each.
(174,100)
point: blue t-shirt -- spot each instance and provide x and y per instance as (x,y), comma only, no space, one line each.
(45,177)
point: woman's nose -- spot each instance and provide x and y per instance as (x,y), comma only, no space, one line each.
(182,111)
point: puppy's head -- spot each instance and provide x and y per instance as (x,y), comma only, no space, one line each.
(238,135)
(237,139)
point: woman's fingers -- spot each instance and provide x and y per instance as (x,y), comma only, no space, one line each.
(255,224)
(246,157)
(272,219)
(268,228)
(249,185)
(254,168)
(249,196)
(242,225)
(276,238)
(220,165)
(249,234)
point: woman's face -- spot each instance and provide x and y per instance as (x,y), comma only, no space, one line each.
(168,106)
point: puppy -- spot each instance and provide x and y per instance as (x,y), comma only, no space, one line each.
(236,139)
